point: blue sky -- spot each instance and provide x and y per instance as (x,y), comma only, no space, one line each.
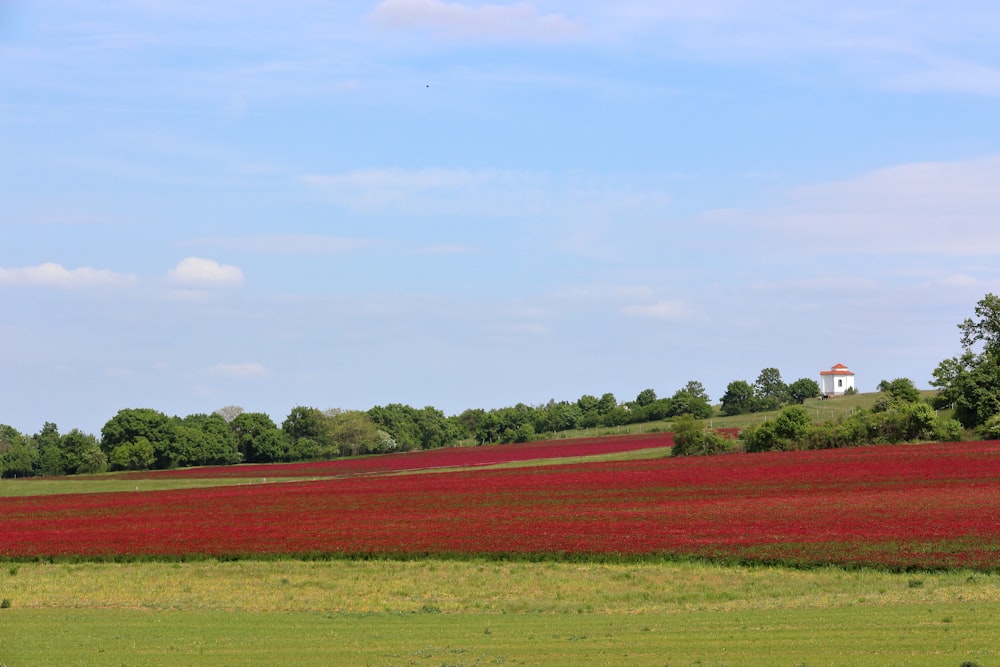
(473,204)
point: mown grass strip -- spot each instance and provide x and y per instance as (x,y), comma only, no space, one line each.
(10,488)
(433,613)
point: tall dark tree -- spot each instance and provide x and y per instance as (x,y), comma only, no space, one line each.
(48,444)
(769,390)
(970,383)
(738,399)
(258,439)
(303,422)
(645,397)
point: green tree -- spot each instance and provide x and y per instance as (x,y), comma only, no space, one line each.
(159,431)
(697,389)
(48,444)
(207,440)
(645,397)
(351,432)
(137,454)
(307,434)
(587,403)
(82,453)
(738,399)
(970,383)
(684,402)
(802,389)
(258,439)
(606,403)
(468,421)
(985,327)
(900,388)
(769,390)
(19,455)
(560,416)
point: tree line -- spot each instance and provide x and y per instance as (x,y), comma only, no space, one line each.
(147,439)
(144,438)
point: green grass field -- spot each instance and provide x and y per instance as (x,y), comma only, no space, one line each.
(431,612)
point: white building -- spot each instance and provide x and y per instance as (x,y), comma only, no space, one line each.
(836,381)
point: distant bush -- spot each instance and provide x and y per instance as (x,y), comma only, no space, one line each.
(889,421)
(691,438)
(787,431)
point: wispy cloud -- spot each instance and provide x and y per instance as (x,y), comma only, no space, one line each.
(948,75)
(941,208)
(486,192)
(918,46)
(55,275)
(243,370)
(427,191)
(205,273)
(660,310)
(521,21)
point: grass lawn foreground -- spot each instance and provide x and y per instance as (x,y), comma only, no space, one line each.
(440,612)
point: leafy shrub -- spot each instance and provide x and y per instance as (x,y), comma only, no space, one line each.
(991,429)
(691,438)
(787,431)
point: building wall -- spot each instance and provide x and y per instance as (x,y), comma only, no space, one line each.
(836,384)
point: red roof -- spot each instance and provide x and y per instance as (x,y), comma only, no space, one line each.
(838,369)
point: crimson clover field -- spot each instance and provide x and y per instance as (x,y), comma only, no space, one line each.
(925,506)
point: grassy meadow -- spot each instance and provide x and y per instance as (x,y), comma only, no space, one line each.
(438,612)
(819,411)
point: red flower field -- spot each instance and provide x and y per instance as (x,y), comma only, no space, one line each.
(924,506)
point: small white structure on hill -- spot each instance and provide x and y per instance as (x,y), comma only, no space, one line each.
(836,381)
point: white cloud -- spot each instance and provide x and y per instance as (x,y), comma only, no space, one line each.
(941,208)
(245,370)
(455,20)
(51,274)
(661,310)
(199,272)
(960,280)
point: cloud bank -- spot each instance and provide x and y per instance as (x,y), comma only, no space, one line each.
(55,275)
